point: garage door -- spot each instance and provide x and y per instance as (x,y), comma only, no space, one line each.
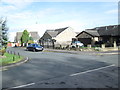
(85,41)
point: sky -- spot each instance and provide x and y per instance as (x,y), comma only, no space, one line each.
(36,15)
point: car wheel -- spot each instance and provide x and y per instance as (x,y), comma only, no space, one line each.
(41,50)
(34,50)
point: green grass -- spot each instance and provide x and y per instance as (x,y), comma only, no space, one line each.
(10,58)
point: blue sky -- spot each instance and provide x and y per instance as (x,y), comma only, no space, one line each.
(39,16)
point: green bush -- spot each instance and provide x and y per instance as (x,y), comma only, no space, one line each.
(10,58)
(2,51)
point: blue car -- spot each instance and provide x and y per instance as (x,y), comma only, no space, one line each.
(34,47)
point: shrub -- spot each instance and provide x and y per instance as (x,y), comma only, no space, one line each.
(2,51)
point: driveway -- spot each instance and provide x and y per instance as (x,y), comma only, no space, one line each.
(62,70)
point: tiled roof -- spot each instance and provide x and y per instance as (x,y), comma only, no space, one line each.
(18,35)
(54,33)
(112,30)
(34,35)
(108,30)
(93,32)
(60,30)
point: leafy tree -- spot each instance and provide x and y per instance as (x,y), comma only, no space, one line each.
(30,40)
(3,32)
(24,37)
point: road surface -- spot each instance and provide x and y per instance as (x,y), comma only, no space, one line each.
(62,70)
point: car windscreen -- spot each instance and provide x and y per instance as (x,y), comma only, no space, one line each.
(33,45)
(77,42)
(30,45)
(37,45)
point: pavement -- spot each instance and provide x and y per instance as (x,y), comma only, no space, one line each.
(62,70)
(107,52)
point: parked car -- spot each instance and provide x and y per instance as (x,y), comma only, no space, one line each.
(34,47)
(76,44)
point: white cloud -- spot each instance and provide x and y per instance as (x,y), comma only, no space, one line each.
(41,28)
(29,17)
(9,6)
(6,9)
(17,3)
(20,20)
(112,11)
(11,36)
(20,16)
(72,0)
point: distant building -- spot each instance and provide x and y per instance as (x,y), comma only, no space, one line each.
(34,35)
(58,37)
(106,35)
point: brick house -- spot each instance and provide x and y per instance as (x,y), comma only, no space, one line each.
(106,34)
(34,35)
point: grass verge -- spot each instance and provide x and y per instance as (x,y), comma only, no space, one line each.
(9,59)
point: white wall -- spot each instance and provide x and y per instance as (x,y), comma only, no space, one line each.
(95,38)
(65,37)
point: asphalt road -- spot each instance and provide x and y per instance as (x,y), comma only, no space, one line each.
(62,70)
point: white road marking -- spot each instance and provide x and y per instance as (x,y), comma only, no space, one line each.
(92,70)
(23,85)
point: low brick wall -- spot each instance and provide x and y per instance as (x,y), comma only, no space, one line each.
(110,49)
(90,49)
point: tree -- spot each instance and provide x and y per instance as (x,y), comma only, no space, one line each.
(0,33)
(3,32)
(24,37)
(30,40)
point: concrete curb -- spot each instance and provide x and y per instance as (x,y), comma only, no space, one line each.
(91,52)
(14,64)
